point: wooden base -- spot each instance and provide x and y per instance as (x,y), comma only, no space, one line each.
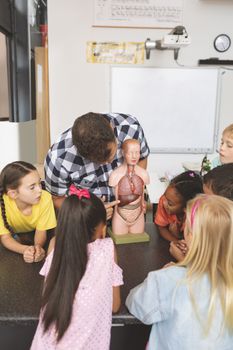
(129,237)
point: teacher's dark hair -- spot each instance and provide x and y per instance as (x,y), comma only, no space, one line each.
(93,135)
(77,221)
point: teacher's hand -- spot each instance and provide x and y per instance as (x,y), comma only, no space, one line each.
(109,207)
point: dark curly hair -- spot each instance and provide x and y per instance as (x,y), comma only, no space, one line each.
(92,135)
(10,177)
(187,184)
(220,180)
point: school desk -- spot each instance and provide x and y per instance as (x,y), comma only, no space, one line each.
(20,287)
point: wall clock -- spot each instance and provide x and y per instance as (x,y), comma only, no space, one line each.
(222,42)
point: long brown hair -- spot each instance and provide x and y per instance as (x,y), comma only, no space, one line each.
(10,178)
(77,221)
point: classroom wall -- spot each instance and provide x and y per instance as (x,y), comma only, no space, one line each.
(17,142)
(77,87)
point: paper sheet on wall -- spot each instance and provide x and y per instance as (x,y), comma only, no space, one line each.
(138,13)
(115,52)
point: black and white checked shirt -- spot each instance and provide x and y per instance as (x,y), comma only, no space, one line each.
(64,165)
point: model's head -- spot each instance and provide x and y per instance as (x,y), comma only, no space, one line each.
(182,188)
(94,138)
(131,151)
(226,147)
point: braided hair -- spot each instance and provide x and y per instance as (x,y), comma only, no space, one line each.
(187,184)
(10,178)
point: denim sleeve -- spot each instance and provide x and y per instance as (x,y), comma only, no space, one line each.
(151,301)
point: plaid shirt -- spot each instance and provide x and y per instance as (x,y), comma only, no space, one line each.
(65,166)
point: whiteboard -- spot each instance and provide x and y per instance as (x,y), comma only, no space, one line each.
(177,107)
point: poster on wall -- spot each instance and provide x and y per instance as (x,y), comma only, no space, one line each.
(138,13)
(115,52)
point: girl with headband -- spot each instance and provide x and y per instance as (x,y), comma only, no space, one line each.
(190,304)
(82,279)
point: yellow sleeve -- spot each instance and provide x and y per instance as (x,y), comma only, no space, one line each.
(47,218)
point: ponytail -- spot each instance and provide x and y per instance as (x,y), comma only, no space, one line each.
(77,221)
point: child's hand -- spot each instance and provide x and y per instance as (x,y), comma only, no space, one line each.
(39,253)
(182,245)
(174,229)
(144,207)
(109,207)
(28,254)
(176,251)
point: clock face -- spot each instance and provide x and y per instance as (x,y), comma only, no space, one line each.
(222,43)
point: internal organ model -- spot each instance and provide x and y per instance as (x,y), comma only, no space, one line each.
(128,181)
(130,188)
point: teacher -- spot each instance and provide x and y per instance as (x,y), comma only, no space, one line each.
(86,154)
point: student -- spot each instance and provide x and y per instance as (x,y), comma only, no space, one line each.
(190,305)
(226,148)
(24,207)
(85,155)
(82,279)
(170,214)
(219,181)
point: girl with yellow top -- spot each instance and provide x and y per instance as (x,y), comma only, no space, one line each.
(24,207)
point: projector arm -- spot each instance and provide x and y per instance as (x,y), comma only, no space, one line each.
(176,39)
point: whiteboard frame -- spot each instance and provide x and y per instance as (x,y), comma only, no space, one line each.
(176,150)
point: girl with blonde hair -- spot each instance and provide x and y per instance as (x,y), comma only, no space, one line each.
(190,304)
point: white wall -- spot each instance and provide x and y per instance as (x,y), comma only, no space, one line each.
(17,142)
(77,87)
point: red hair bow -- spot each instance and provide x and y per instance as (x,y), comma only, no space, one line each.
(79,192)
